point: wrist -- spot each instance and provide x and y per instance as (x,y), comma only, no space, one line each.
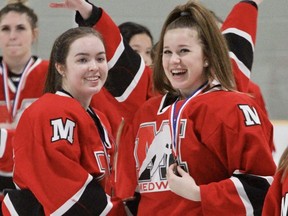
(197,194)
(85,10)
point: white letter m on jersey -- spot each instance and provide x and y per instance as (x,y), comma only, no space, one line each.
(250,115)
(63,131)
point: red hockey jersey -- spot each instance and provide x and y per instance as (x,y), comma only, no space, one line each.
(69,165)
(276,201)
(13,102)
(224,148)
(239,30)
(255,91)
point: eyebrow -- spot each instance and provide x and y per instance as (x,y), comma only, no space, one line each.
(87,54)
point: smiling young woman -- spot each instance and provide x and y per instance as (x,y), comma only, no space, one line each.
(61,138)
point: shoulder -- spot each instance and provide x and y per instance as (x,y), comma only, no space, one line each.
(222,105)
(52,104)
(228,98)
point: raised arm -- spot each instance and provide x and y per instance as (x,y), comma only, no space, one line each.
(240,29)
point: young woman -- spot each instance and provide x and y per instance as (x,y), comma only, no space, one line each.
(129,81)
(276,201)
(203,148)
(139,38)
(22,77)
(63,147)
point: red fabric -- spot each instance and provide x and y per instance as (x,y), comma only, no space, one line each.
(277,197)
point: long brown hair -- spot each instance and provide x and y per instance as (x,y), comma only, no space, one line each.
(283,163)
(195,16)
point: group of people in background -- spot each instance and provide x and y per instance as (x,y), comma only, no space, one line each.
(103,128)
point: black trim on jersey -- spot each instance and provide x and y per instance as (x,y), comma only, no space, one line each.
(251,2)
(256,189)
(25,203)
(6,182)
(98,125)
(65,92)
(92,20)
(169,99)
(92,202)
(133,204)
(245,54)
(123,71)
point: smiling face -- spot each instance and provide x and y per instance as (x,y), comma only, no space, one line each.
(183,60)
(86,68)
(16,35)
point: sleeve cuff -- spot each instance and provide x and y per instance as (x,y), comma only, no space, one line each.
(92,20)
(251,2)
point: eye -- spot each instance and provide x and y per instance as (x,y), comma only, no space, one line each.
(137,51)
(21,28)
(184,50)
(148,52)
(82,60)
(5,28)
(167,52)
(101,58)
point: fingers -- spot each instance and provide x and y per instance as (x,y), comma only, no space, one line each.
(57,5)
(181,171)
(170,170)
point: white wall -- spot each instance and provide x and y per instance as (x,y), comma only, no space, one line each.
(280,138)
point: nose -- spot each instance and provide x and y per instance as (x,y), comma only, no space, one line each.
(93,65)
(175,58)
(12,34)
(147,60)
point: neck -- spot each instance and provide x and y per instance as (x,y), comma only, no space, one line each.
(16,64)
(84,101)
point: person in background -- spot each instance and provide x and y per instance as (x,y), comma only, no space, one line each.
(63,150)
(276,201)
(201,146)
(139,38)
(22,77)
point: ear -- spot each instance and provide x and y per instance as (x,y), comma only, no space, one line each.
(206,63)
(60,69)
(35,34)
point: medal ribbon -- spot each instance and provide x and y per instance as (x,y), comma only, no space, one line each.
(175,117)
(12,106)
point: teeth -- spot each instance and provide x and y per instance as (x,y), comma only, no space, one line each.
(92,78)
(178,72)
